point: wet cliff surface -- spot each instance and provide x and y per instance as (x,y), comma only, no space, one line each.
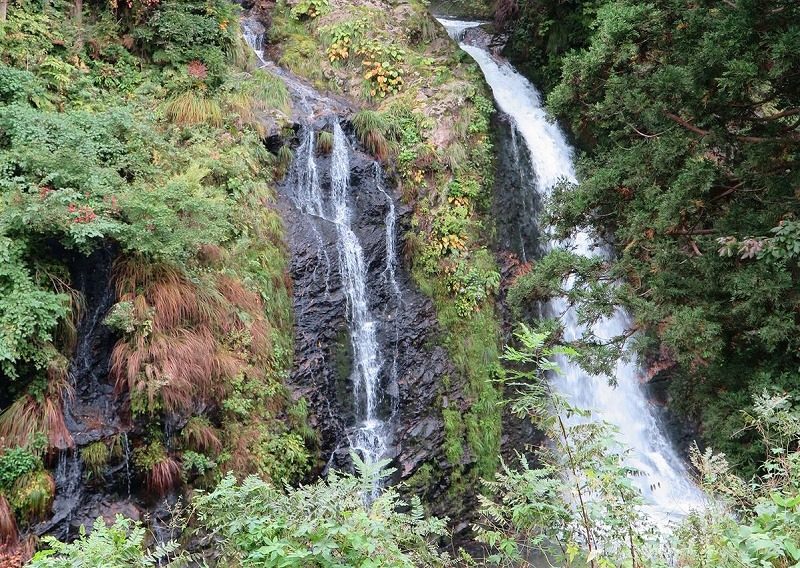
(92,410)
(411,364)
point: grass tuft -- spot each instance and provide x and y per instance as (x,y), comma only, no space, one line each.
(32,494)
(8,523)
(191,107)
(285,157)
(270,91)
(372,130)
(164,476)
(324,142)
(201,436)
(26,417)
(95,457)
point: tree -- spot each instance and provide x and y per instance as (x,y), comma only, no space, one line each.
(688,121)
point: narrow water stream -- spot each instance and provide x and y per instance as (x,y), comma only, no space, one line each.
(370,436)
(664,481)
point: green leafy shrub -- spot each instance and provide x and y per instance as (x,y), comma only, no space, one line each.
(383,69)
(121,544)
(322,525)
(309,9)
(29,314)
(178,33)
(14,463)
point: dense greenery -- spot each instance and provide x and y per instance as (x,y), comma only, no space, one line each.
(579,507)
(687,115)
(136,130)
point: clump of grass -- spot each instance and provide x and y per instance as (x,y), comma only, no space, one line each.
(201,436)
(270,91)
(372,130)
(164,476)
(8,523)
(243,105)
(179,341)
(324,142)
(192,107)
(239,54)
(456,157)
(161,471)
(33,493)
(26,417)
(285,157)
(95,457)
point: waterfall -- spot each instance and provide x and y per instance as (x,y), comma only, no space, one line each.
(665,484)
(370,436)
(389,273)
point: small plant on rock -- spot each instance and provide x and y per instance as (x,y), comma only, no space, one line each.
(95,457)
(309,9)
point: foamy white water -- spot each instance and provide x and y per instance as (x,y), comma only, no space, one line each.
(666,486)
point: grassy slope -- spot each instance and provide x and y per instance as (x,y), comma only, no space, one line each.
(138,131)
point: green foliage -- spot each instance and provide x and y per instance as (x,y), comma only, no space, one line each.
(309,9)
(29,314)
(687,121)
(382,67)
(194,463)
(766,530)
(326,524)
(14,463)
(120,545)
(601,523)
(453,434)
(179,33)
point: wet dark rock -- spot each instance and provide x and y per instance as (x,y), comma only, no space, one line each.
(406,326)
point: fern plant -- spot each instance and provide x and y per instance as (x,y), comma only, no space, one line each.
(324,525)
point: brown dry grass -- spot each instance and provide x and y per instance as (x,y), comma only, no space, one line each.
(182,357)
(201,436)
(8,524)
(164,476)
(26,417)
(54,426)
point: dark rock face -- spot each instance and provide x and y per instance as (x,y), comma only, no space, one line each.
(516,206)
(93,412)
(407,326)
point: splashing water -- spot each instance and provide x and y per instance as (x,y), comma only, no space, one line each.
(665,484)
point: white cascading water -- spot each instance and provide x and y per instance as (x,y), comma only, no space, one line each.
(666,486)
(370,437)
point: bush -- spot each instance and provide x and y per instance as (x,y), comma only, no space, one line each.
(322,525)
(120,545)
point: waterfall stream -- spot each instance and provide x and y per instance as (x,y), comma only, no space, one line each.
(665,484)
(370,436)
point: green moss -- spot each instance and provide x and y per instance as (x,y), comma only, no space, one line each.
(454,432)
